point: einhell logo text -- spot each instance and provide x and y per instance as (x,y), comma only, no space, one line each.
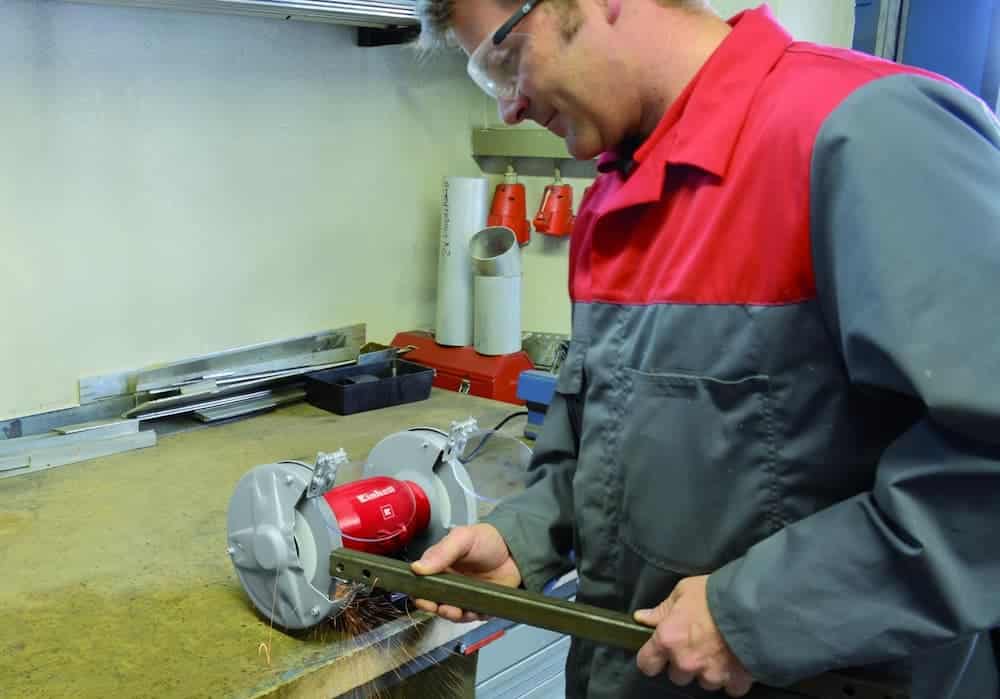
(376,494)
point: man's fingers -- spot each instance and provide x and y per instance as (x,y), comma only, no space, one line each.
(713,681)
(687,644)
(450,613)
(647,617)
(739,684)
(679,677)
(444,553)
(656,654)
(710,686)
(652,617)
(447,612)
(652,660)
(426,605)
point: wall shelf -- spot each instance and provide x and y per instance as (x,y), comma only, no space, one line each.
(532,151)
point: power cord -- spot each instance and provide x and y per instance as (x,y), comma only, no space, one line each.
(519,413)
(965,666)
(486,437)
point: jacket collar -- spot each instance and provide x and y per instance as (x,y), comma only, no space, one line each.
(702,127)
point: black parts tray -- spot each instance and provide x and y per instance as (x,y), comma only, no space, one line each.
(355,389)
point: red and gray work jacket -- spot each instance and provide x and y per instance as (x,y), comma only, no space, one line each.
(785,373)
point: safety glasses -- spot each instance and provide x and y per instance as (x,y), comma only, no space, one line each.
(494,64)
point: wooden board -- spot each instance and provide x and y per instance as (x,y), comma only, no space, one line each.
(114,579)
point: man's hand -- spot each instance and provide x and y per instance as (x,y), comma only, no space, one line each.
(478,551)
(688,642)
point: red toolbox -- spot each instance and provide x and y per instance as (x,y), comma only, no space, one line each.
(464,370)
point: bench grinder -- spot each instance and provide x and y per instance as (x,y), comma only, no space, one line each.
(286,518)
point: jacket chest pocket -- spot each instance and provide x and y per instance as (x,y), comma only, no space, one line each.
(697,457)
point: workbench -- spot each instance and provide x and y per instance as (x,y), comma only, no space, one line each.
(114,578)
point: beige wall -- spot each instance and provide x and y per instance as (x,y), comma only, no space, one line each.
(175,184)
(821,21)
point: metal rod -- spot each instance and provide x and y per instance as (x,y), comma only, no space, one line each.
(522,606)
(572,618)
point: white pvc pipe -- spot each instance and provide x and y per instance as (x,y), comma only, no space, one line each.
(463,214)
(496,260)
(498,315)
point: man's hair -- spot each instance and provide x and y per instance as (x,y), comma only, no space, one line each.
(436,18)
(435,23)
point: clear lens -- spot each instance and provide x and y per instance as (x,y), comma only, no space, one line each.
(497,464)
(494,68)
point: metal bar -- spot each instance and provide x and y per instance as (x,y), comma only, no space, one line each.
(182,403)
(282,374)
(51,456)
(167,408)
(101,429)
(572,618)
(579,620)
(299,362)
(226,412)
(40,423)
(14,463)
(196,388)
(226,363)
(378,356)
(23,446)
(189,402)
(242,380)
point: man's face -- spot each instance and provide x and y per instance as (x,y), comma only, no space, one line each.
(558,85)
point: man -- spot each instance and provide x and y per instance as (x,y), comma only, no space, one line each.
(776,437)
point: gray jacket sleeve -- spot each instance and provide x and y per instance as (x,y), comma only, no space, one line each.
(906,246)
(537,523)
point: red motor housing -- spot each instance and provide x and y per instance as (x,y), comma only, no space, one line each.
(379,515)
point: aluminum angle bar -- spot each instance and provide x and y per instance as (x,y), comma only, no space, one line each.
(227,363)
(48,455)
(172,409)
(297,363)
(240,409)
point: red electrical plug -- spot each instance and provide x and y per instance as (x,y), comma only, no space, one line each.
(555,214)
(509,208)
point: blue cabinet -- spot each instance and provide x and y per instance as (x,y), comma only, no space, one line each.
(960,40)
(866,14)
